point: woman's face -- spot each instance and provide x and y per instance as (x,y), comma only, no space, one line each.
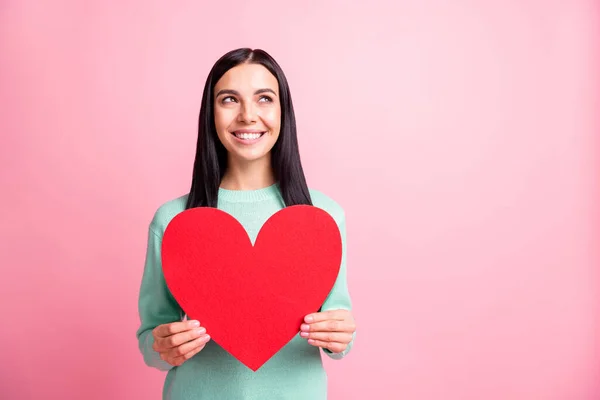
(247,111)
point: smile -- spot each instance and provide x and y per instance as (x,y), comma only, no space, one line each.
(248,137)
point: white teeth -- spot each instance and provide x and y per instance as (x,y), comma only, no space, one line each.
(248,136)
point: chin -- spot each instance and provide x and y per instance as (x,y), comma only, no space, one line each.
(245,157)
(250,153)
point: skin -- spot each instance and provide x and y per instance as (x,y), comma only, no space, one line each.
(254,105)
(330,330)
(177,342)
(247,97)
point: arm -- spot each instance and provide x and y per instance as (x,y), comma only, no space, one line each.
(156,305)
(339,297)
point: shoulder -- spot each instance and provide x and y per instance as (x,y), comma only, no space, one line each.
(327,203)
(166,212)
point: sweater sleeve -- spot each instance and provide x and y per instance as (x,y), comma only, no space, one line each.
(339,296)
(156,305)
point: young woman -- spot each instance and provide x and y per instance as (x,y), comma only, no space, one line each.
(247,164)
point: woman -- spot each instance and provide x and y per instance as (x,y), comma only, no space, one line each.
(247,164)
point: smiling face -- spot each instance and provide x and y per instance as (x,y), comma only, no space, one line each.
(247,112)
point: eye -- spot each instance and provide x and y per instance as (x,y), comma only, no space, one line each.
(266,98)
(225,99)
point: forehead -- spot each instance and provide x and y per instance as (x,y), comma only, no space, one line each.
(247,77)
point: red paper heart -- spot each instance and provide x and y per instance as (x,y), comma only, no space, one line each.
(251,299)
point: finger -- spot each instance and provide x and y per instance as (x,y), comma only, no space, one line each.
(166,330)
(340,337)
(328,326)
(339,315)
(177,361)
(334,347)
(178,339)
(189,346)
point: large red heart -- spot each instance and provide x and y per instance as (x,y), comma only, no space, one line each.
(251,299)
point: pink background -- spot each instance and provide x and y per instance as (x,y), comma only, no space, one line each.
(458,136)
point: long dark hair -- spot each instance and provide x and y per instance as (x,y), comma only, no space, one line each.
(211,156)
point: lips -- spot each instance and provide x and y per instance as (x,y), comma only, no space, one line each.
(248,136)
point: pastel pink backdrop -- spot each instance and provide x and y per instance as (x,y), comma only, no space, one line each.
(459,137)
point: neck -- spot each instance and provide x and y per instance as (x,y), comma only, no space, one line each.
(248,175)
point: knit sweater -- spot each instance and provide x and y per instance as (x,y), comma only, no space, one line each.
(296,372)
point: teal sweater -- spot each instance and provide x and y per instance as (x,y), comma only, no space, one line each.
(295,373)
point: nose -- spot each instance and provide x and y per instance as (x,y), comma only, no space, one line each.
(247,113)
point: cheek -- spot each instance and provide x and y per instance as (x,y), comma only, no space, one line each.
(272,118)
(222,120)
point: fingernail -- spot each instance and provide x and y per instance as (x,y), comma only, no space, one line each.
(304,334)
(304,327)
(200,331)
(309,318)
(194,324)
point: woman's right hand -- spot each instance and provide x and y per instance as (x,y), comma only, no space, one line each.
(177,342)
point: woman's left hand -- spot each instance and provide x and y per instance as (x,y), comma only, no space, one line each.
(331,330)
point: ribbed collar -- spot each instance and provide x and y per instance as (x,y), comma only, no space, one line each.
(239,196)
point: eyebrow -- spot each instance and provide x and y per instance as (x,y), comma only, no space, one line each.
(235,92)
